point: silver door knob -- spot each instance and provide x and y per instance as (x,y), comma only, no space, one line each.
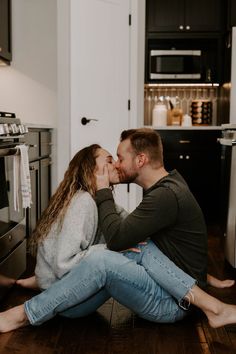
(181,27)
(188,28)
(85,120)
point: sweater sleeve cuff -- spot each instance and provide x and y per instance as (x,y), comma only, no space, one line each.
(102,195)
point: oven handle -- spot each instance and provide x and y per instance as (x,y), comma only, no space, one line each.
(9,152)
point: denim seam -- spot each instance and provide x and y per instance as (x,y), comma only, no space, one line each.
(167,269)
(136,286)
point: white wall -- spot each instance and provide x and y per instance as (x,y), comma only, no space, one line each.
(28,86)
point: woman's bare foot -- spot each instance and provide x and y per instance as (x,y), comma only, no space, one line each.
(217,283)
(13,319)
(224,315)
(30,283)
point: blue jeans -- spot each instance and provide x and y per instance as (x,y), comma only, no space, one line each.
(125,277)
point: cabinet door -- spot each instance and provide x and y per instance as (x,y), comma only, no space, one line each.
(5,30)
(165,16)
(32,140)
(45,183)
(203,16)
(33,212)
(196,156)
(184,16)
(231,14)
(45,143)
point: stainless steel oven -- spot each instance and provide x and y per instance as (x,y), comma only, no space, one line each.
(12,222)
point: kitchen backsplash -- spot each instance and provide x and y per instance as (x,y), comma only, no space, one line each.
(186,96)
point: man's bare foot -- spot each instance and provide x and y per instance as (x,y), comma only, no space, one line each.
(224,315)
(13,319)
(217,283)
(30,283)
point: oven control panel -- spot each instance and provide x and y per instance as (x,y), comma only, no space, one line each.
(12,127)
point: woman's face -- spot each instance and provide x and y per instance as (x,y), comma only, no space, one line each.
(105,158)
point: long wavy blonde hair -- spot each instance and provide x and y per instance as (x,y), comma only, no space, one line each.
(79,176)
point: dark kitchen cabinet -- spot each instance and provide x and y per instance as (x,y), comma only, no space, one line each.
(231,14)
(196,155)
(184,16)
(5,31)
(39,142)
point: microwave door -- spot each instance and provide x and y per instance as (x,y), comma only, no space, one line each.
(175,64)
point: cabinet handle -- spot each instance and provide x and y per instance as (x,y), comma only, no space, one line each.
(32,146)
(181,27)
(187,157)
(9,237)
(32,168)
(184,141)
(188,28)
(181,157)
(0,49)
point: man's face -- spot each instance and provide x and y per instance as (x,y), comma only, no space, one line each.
(104,157)
(126,163)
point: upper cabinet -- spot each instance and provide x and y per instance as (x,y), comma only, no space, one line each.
(5,31)
(184,16)
(231,14)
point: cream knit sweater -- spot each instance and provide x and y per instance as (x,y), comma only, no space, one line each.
(64,248)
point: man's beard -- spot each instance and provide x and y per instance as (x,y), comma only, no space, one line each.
(124,178)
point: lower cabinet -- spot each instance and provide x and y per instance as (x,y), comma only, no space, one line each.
(39,142)
(196,154)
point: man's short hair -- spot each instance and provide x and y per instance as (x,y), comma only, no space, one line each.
(145,140)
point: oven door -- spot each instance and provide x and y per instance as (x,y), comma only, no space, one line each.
(12,225)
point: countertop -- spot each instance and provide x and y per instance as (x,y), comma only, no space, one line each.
(38,126)
(179,127)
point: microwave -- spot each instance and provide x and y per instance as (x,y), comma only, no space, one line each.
(175,64)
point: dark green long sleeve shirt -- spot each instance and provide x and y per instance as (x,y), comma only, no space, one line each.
(169,215)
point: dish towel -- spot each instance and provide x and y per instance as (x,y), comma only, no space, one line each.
(21,175)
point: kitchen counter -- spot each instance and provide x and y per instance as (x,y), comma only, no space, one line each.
(180,127)
(38,126)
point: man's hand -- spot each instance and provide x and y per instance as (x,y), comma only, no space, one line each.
(135,249)
(102,178)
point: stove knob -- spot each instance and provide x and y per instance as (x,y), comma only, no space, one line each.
(6,128)
(21,128)
(17,129)
(2,130)
(12,128)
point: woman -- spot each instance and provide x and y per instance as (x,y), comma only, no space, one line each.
(69,226)
(67,229)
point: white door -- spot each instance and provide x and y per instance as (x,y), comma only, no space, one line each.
(100,47)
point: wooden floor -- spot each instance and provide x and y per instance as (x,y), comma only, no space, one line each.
(114,329)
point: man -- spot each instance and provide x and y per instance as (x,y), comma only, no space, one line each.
(168,213)
(170,216)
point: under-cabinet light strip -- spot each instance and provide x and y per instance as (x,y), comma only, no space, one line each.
(182,85)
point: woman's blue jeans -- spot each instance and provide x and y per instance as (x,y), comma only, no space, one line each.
(148,283)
